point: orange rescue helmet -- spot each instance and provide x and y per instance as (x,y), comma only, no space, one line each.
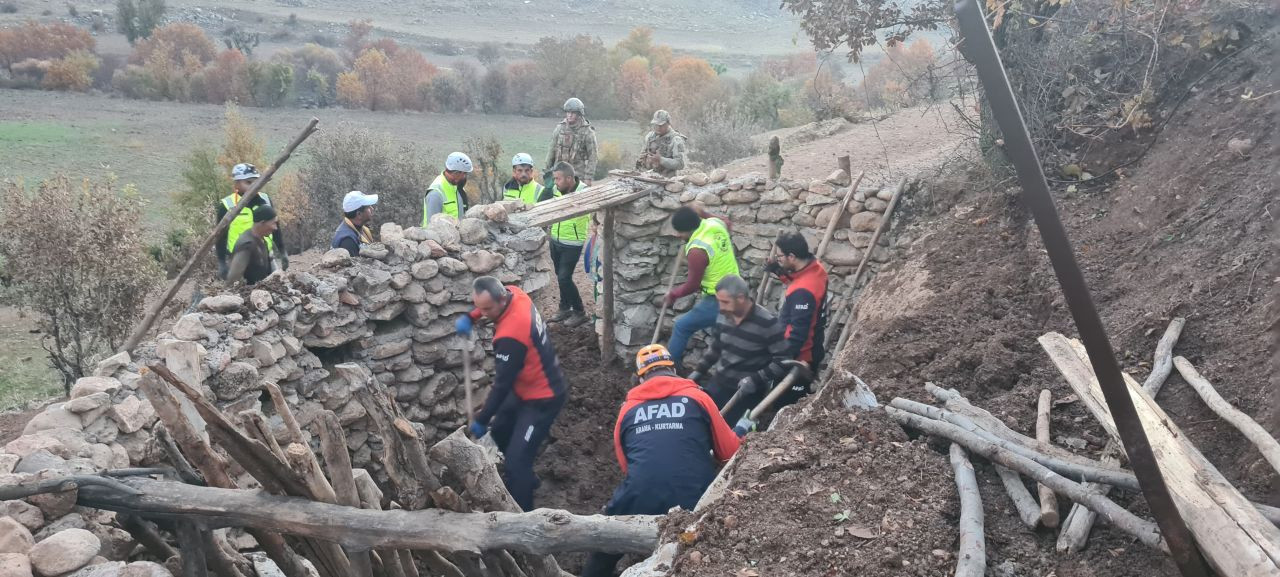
(653,356)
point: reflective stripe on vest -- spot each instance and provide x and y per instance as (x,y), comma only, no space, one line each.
(451,206)
(527,194)
(243,222)
(712,236)
(573,230)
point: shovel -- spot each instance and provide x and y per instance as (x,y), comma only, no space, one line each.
(799,370)
(671,282)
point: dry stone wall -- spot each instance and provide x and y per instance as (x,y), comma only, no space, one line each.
(757,209)
(392,310)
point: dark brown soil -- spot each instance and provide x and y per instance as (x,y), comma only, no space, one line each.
(12,423)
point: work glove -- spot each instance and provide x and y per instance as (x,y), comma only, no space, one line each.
(748,386)
(478,430)
(695,376)
(744,426)
(463,325)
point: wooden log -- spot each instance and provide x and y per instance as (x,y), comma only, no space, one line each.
(382,413)
(1145,532)
(971,559)
(191,547)
(542,532)
(1162,364)
(765,278)
(256,425)
(1023,503)
(333,445)
(1261,439)
(186,473)
(850,303)
(1079,468)
(466,461)
(211,466)
(146,533)
(835,221)
(203,250)
(606,311)
(221,556)
(1074,536)
(1048,501)
(1235,538)
(303,462)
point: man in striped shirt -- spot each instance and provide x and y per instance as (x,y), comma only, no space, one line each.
(747,352)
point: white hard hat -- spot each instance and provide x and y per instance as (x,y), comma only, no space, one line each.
(356,200)
(522,158)
(458,161)
(244,171)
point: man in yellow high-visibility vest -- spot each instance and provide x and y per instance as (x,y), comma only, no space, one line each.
(710,257)
(567,239)
(522,186)
(446,195)
(243,176)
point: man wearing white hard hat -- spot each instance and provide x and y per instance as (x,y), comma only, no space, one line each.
(353,232)
(445,195)
(243,176)
(522,187)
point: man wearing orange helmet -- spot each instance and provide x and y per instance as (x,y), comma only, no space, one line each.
(669,440)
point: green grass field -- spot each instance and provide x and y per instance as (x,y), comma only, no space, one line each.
(25,374)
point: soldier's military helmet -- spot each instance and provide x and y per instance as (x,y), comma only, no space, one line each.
(660,117)
(574,105)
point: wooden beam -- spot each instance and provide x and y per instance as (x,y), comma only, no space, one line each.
(542,532)
(585,201)
(1235,538)
(606,311)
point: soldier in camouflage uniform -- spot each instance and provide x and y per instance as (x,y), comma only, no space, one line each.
(574,142)
(664,148)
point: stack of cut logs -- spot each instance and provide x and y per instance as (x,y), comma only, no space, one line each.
(315,515)
(1236,536)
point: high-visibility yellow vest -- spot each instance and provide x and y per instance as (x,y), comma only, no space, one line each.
(574,230)
(527,194)
(452,204)
(243,221)
(713,236)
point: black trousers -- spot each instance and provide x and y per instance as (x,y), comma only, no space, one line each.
(519,429)
(565,259)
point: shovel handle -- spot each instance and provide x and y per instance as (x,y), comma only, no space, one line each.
(774,395)
(737,396)
(466,382)
(671,282)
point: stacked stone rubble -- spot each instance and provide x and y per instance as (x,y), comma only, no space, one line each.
(391,309)
(756,209)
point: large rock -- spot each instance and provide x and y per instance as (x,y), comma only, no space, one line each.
(23,512)
(145,569)
(55,416)
(189,328)
(452,267)
(773,213)
(839,178)
(717,175)
(336,258)
(108,569)
(14,565)
(842,254)
(27,444)
(482,261)
(236,380)
(708,198)
(14,537)
(744,196)
(86,386)
(473,231)
(698,179)
(221,303)
(775,195)
(864,222)
(108,366)
(133,414)
(876,205)
(828,212)
(89,403)
(260,299)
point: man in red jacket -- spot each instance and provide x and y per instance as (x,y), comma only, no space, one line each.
(804,311)
(528,386)
(670,440)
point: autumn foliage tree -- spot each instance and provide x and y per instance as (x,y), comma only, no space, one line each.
(857,24)
(34,41)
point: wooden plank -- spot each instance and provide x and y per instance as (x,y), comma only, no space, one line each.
(1235,538)
(585,201)
(606,311)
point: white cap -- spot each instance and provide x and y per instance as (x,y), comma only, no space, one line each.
(244,171)
(458,161)
(522,158)
(356,200)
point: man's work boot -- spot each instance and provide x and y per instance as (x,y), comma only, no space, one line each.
(560,315)
(575,318)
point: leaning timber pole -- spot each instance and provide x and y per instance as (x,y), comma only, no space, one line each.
(154,313)
(979,48)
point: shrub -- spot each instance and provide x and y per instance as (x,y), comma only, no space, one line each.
(179,42)
(72,11)
(135,82)
(577,66)
(88,275)
(493,90)
(242,143)
(450,93)
(270,82)
(350,158)
(301,221)
(226,79)
(351,91)
(41,42)
(72,72)
(315,72)
(689,81)
(719,134)
(205,182)
(107,67)
(489,54)
(611,157)
(490,171)
(904,77)
(409,71)
(237,38)
(634,83)
(763,98)
(357,35)
(639,42)
(138,19)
